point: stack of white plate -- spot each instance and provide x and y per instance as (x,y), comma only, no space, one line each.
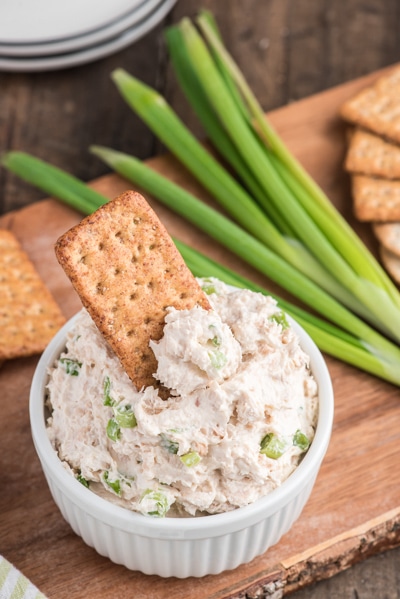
(43,35)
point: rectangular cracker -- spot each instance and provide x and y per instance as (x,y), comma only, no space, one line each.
(376,199)
(29,315)
(388,234)
(391,263)
(127,271)
(371,155)
(377,107)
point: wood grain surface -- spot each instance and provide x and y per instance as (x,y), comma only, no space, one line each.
(288,51)
(354,510)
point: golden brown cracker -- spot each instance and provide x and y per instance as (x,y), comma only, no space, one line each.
(127,272)
(375,199)
(29,315)
(371,155)
(388,234)
(391,262)
(377,107)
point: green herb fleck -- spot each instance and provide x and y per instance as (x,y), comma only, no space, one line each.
(301,440)
(113,430)
(272,446)
(190,459)
(280,318)
(216,340)
(160,503)
(115,484)
(218,358)
(107,399)
(208,287)
(124,416)
(82,480)
(170,446)
(71,366)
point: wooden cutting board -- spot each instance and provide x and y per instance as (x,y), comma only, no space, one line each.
(354,510)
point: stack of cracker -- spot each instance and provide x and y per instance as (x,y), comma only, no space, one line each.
(373,160)
(29,315)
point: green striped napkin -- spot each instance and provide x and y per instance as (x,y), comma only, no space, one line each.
(14,585)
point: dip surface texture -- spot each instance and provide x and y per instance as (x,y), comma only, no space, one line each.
(241,413)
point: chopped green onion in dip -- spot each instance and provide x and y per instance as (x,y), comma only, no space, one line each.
(241,413)
(71,366)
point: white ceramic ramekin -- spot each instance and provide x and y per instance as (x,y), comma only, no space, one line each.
(180,547)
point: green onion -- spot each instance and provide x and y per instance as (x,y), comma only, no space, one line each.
(208,287)
(107,399)
(124,416)
(114,484)
(368,290)
(301,440)
(71,366)
(156,503)
(332,224)
(82,480)
(272,446)
(216,340)
(345,239)
(170,446)
(113,430)
(280,319)
(53,181)
(190,459)
(217,358)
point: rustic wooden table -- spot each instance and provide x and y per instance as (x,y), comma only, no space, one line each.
(288,51)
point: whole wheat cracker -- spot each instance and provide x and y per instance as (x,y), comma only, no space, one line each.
(391,262)
(388,235)
(375,199)
(127,271)
(29,315)
(371,155)
(377,107)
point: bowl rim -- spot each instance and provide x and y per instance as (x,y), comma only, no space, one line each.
(192,527)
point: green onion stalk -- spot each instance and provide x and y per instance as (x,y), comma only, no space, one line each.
(293,193)
(352,341)
(313,197)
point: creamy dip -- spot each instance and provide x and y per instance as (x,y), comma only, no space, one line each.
(241,413)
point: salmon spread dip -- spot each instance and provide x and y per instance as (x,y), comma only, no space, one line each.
(241,412)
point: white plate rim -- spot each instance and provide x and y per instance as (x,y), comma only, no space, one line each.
(23,22)
(90,54)
(76,43)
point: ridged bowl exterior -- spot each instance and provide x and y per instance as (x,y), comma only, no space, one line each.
(180,547)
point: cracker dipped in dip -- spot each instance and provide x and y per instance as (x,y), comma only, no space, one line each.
(240,414)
